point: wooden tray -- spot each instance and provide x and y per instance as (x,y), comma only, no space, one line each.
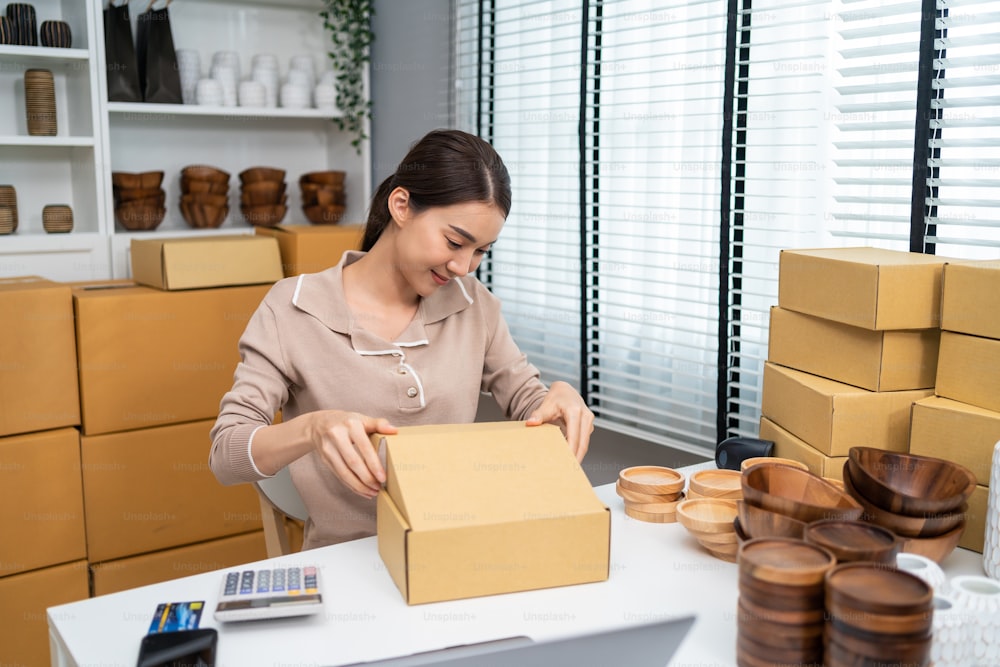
(656,480)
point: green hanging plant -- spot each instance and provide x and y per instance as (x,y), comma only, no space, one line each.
(349,24)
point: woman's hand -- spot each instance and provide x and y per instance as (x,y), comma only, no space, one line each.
(344,443)
(564,407)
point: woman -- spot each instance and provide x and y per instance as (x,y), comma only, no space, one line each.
(398,334)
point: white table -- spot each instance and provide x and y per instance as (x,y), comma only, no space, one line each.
(657,572)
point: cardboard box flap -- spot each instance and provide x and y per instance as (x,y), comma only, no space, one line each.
(490,473)
(21,283)
(216,261)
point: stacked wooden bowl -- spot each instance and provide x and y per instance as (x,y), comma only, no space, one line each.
(876,615)
(852,541)
(324,199)
(722,484)
(40,102)
(263,200)
(780,609)
(140,200)
(711,522)
(779,500)
(8,209)
(204,195)
(651,493)
(922,499)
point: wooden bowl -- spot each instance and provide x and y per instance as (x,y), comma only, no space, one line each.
(854,618)
(324,215)
(658,480)
(936,548)
(329,177)
(264,216)
(317,193)
(909,483)
(139,218)
(638,498)
(797,493)
(263,192)
(202,216)
(840,652)
(204,172)
(650,517)
(707,515)
(760,522)
(784,561)
(872,587)
(854,540)
(141,179)
(195,185)
(905,526)
(130,194)
(259,174)
(205,198)
(754,460)
(802,617)
(716,484)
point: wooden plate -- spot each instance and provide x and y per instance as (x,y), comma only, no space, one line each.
(792,616)
(785,561)
(854,540)
(885,624)
(656,480)
(636,497)
(716,483)
(871,587)
(651,517)
(707,515)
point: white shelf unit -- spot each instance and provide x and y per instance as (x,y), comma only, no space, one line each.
(62,169)
(97,137)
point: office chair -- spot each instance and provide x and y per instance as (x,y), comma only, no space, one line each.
(279,499)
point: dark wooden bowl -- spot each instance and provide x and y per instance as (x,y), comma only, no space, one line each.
(796,493)
(838,654)
(784,561)
(909,483)
(872,587)
(204,172)
(258,174)
(853,619)
(854,540)
(809,616)
(930,525)
(936,548)
(759,522)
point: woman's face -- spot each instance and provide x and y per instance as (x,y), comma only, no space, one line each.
(444,242)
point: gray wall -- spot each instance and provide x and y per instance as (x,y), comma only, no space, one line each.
(410,77)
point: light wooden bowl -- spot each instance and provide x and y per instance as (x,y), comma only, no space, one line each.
(908,483)
(707,515)
(655,480)
(754,460)
(760,522)
(716,484)
(636,497)
(797,493)
(936,548)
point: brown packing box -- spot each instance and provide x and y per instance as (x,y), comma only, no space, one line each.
(24,599)
(38,389)
(871,288)
(150,357)
(958,432)
(873,360)
(832,416)
(787,446)
(151,489)
(970,298)
(41,500)
(312,248)
(205,261)
(124,573)
(974,535)
(480,509)
(969,370)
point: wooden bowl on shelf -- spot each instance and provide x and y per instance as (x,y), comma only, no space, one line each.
(262,192)
(203,172)
(324,215)
(909,483)
(797,493)
(196,185)
(326,177)
(261,174)
(141,179)
(267,215)
(202,215)
(139,217)
(205,198)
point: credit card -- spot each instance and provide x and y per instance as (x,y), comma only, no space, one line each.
(173,616)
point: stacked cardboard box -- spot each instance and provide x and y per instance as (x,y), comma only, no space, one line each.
(961,422)
(43,548)
(312,248)
(853,343)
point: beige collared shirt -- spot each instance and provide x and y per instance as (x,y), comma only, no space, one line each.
(303,350)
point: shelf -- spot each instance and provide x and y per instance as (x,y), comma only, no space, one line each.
(262,113)
(29,56)
(62,142)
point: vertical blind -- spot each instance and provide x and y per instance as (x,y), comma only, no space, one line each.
(662,154)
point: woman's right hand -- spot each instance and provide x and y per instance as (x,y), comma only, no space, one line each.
(343,440)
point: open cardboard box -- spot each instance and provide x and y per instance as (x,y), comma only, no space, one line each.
(487,508)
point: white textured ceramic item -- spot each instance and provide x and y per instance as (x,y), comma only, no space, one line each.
(991,541)
(979,598)
(924,568)
(950,646)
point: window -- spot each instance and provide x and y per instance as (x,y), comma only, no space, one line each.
(663,153)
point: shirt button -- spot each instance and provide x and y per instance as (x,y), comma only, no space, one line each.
(402,371)
(411,392)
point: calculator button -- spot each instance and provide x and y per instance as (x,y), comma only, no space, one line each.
(246,582)
(263,581)
(232,583)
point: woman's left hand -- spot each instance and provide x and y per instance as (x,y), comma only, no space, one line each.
(564,407)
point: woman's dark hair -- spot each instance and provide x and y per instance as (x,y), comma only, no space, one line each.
(445,167)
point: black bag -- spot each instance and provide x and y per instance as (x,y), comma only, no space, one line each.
(119,52)
(159,76)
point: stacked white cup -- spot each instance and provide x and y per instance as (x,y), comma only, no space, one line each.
(189,69)
(252,94)
(209,92)
(264,70)
(325,92)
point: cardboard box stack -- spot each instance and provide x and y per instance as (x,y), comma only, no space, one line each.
(43,549)
(312,248)
(853,343)
(961,422)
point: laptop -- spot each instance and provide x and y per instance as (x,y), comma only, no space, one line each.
(648,645)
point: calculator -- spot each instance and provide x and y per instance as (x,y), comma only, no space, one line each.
(253,594)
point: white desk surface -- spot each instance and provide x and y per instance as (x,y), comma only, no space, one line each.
(658,571)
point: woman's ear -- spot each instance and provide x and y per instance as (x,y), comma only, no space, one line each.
(399,204)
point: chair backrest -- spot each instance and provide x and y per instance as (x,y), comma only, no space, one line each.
(279,499)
